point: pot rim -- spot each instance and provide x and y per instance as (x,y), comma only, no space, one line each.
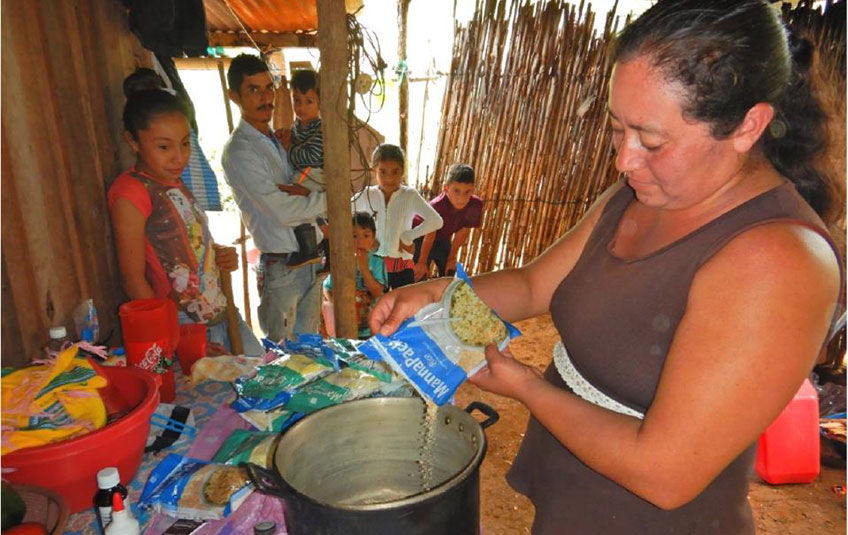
(423,496)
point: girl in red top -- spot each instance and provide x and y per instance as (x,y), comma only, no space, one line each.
(161,234)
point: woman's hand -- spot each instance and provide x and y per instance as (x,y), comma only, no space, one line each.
(226,258)
(406,248)
(506,376)
(396,306)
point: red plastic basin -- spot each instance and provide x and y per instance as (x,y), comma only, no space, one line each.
(70,468)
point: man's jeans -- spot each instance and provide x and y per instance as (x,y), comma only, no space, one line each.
(289,298)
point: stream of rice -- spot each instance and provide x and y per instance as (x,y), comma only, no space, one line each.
(427,433)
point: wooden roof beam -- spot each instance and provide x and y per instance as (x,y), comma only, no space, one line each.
(263,39)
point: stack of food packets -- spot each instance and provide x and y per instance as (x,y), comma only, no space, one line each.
(444,343)
(310,374)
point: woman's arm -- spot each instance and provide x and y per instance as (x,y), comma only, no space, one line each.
(756,317)
(534,283)
(128,224)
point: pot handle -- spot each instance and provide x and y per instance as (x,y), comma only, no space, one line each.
(492,414)
(264,480)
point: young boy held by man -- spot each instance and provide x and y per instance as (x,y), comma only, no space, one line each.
(304,144)
(461,211)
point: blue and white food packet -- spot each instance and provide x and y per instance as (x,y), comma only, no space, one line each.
(444,343)
(183,487)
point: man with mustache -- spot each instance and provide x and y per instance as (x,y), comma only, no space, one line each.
(279,215)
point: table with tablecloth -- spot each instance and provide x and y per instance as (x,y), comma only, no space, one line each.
(214,421)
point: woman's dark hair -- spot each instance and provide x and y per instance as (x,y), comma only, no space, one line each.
(241,66)
(305,79)
(729,55)
(364,220)
(388,152)
(143,106)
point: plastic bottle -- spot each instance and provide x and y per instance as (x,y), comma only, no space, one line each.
(123,522)
(108,483)
(58,339)
(86,322)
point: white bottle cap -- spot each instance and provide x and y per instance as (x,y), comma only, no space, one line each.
(108,478)
(57,333)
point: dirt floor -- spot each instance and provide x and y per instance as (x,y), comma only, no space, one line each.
(779,510)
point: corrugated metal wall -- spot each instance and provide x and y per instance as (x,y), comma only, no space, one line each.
(63,63)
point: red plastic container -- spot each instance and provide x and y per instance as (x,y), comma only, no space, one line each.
(70,468)
(192,346)
(788,451)
(150,332)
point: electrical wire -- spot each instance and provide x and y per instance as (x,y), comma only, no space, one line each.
(243,28)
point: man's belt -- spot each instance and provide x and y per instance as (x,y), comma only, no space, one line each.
(290,259)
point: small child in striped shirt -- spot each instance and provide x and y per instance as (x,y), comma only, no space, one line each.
(304,142)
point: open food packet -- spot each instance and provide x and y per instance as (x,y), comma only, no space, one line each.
(183,487)
(444,343)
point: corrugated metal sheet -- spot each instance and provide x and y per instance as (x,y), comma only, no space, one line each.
(262,15)
(265,16)
(61,147)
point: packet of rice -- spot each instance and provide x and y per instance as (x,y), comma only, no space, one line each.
(273,384)
(183,487)
(247,446)
(344,385)
(444,343)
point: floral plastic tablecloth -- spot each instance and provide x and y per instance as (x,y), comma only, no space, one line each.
(209,404)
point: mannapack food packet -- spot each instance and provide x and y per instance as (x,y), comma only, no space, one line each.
(273,384)
(444,343)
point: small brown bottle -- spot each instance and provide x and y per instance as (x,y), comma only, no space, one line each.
(108,483)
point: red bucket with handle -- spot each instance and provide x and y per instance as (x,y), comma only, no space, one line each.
(151,333)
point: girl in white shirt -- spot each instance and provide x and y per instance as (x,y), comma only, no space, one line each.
(393,206)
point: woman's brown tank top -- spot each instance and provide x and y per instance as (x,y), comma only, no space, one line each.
(617,319)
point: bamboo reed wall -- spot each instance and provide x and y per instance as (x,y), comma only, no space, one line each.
(525,105)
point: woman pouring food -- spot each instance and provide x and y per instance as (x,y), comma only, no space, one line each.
(694,296)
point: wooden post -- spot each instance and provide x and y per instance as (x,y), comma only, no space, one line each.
(242,232)
(233,329)
(403,88)
(332,29)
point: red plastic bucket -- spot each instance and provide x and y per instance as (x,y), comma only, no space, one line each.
(192,346)
(151,333)
(70,468)
(789,451)
(143,320)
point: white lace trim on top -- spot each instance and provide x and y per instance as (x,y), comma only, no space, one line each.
(583,387)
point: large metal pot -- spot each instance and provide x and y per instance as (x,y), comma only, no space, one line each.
(354,469)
